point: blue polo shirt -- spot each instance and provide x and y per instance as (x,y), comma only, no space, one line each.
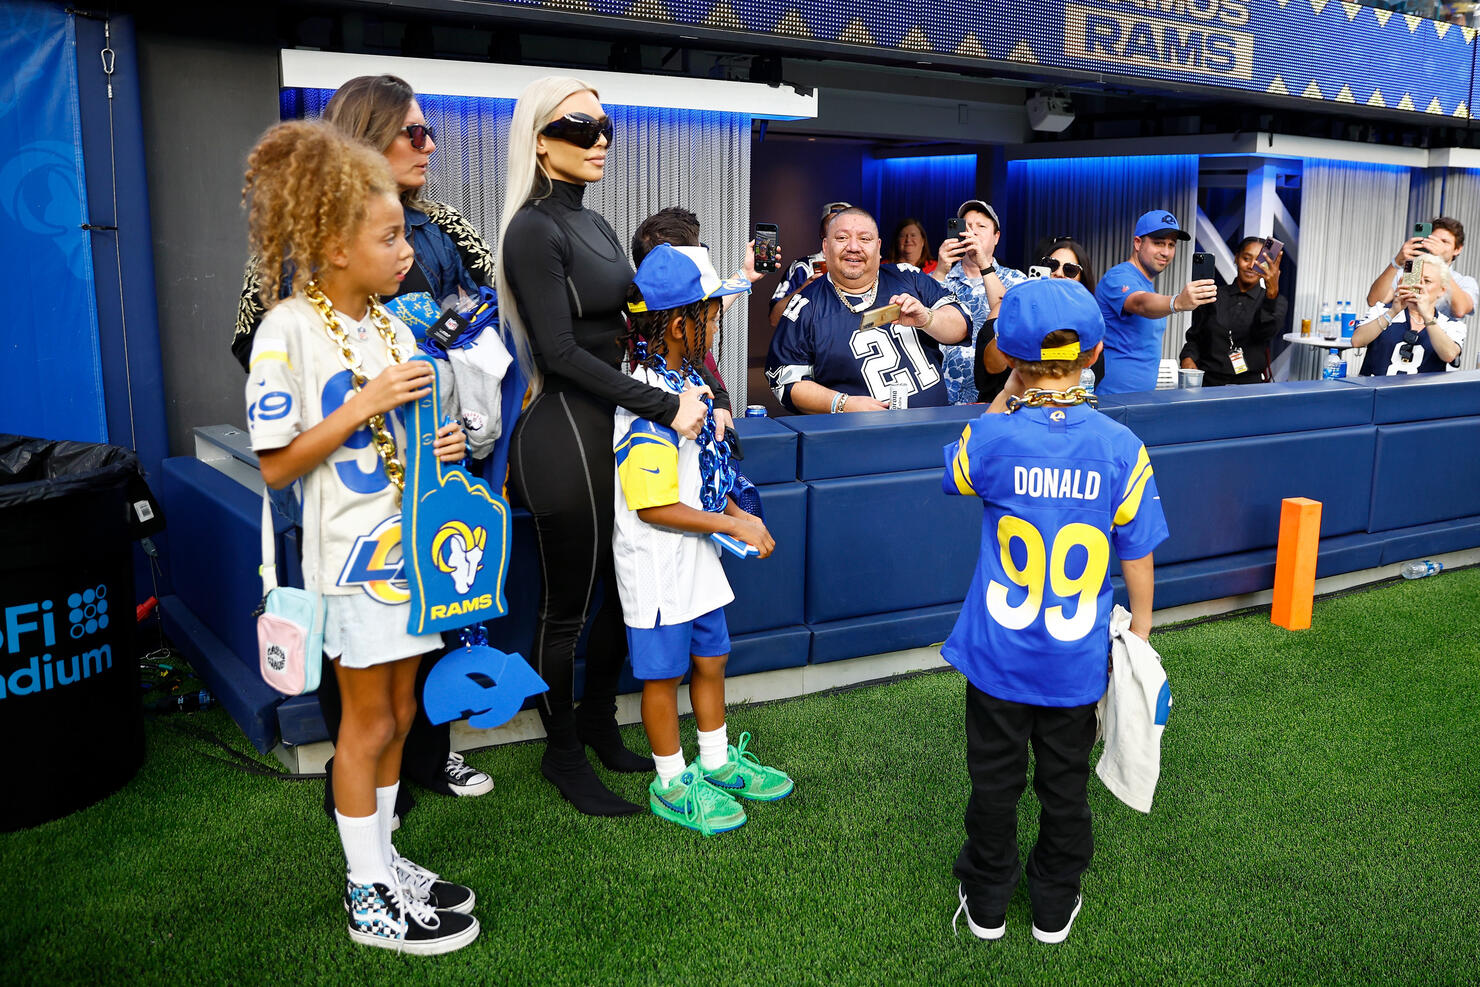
(1132,342)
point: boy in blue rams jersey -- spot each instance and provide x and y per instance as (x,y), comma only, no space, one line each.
(1061,484)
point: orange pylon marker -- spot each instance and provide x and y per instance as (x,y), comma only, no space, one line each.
(1295,563)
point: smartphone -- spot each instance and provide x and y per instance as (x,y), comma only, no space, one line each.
(1422,230)
(954,228)
(1270,252)
(767,248)
(1412,273)
(1038,271)
(1203,267)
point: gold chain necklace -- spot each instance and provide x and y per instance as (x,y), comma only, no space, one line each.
(868,296)
(1035,397)
(349,358)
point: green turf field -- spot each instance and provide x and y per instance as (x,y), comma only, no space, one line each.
(1317,822)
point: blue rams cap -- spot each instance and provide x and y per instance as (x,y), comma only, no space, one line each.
(1033,309)
(1160,221)
(672,277)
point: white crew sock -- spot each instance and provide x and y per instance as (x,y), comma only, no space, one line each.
(669,766)
(362,850)
(385,808)
(714,748)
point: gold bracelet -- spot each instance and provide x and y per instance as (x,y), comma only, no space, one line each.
(929,318)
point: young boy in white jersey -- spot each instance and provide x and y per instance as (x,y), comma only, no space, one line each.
(672,495)
(1061,485)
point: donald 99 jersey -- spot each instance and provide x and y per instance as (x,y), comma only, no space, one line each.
(1061,488)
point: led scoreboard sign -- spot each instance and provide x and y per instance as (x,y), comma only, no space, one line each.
(1205,40)
(1332,51)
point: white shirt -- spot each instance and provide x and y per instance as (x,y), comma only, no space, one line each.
(664,576)
(351,522)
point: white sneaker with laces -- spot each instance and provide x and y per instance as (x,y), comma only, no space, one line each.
(429,888)
(391,919)
(464,779)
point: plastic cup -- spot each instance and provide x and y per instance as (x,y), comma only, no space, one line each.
(1189,379)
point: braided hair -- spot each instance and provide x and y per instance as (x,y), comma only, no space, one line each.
(646,339)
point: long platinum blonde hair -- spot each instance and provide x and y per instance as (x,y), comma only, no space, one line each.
(527,180)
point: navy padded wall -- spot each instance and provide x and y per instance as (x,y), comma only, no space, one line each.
(770,451)
(769,592)
(1224,497)
(1209,414)
(215,550)
(1423,397)
(889,542)
(874,442)
(1426,471)
(881,633)
(1430,539)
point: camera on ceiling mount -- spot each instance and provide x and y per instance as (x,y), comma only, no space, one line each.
(1050,111)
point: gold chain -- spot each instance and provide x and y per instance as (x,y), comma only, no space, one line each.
(868,296)
(1035,397)
(349,358)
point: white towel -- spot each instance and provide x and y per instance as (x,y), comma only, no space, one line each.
(1132,714)
(479,370)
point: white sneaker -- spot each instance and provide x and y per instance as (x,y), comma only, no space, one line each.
(1061,934)
(980,931)
(464,779)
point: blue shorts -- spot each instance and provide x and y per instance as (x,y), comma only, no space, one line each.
(663,652)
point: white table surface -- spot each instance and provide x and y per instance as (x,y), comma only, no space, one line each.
(1315,340)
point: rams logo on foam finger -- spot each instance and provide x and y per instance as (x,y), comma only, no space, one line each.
(458,551)
(376,566)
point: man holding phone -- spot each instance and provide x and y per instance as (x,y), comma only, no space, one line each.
(1135,315)
(1445,239)
(978,282)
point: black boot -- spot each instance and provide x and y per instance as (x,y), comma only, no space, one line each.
(597,727)
(568,770)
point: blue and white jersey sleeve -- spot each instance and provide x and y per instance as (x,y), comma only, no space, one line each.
(1140,523)
(793,353)
(274,394)
(796,276)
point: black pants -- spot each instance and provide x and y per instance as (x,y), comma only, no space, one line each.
(997,737)
(424,757)
(562,469)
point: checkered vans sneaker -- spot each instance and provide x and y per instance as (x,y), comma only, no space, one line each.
(464,779)
(382,916)
(424,886)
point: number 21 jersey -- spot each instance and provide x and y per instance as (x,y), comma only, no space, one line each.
(1060,486)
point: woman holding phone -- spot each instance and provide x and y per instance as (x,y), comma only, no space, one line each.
(1229,339)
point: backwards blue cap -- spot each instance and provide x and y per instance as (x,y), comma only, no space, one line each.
(1033,309)
(672,277)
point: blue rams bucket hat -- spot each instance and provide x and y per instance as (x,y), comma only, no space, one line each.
(672,277)
(1033,309)
(1160,221)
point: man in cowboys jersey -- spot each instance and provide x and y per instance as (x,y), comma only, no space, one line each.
(822,359)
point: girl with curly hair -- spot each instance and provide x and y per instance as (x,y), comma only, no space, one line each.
(328,366)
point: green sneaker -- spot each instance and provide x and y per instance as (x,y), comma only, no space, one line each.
(695,804)
(743,776)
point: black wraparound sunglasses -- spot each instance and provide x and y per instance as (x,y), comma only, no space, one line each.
(420,133)
(581,129)
(1070,270)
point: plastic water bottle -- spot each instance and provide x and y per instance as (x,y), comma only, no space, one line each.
(1333,367)
(1328,328)
(1087,379)
(1417,570)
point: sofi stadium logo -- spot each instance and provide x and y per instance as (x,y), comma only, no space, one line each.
(56,642)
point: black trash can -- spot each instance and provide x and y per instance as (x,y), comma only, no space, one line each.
(71,725)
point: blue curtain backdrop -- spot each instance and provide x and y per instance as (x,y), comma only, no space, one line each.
(928,188)
(50,378)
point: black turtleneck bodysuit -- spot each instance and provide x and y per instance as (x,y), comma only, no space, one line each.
(569,278)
